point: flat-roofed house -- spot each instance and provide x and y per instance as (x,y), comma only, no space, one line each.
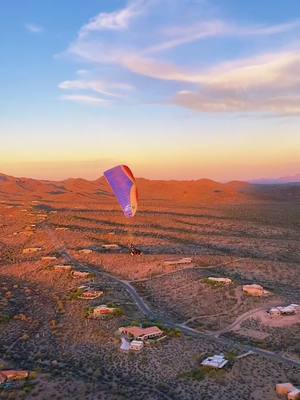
(294,395)
(65,268)
(15,375)
(102,310)
(217,361)
(284,388)
(81,274)
(224,281)
(31,250)
(85,251)
(287,310)
(90,294)
(254,290)
(135,332)
(184,260)
(136,345)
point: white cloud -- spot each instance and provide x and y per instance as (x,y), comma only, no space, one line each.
(84,99)
(267,84)
(263,82)
(190,34)
(96,86)
(33,28)
(117,20)
(216,28)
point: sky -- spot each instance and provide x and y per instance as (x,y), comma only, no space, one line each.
(176,89)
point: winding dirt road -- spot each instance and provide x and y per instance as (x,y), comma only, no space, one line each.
(149,314)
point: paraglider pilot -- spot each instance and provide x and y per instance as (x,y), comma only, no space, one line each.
(134,251)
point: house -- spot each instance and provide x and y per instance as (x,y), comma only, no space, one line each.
(110,246)
(294,395)
(254,290)
(185,260)
(101,310)
(284,388)
(81,274)
(138,333)
(136,345)
(217,361)
(13,375)
(31,250)
(225,281)
(2,378)
(90,294)
(85,251)
(288,310)
(65,268)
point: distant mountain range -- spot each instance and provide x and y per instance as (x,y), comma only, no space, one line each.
(278,181)
(191,192)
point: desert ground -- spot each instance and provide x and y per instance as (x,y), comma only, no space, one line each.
(248,233)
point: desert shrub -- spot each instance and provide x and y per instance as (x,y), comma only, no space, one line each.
(204,372)
(88,312)
(75,294)
(213,283)
(197,375)
(231,356)
(118,312)
(172,332)
(4,319)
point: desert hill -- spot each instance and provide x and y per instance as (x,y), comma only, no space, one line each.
(193,191)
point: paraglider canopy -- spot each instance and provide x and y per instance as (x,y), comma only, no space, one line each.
(123,184)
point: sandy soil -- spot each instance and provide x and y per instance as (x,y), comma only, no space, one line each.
(238,231)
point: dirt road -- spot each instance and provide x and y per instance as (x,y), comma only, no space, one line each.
(149,314)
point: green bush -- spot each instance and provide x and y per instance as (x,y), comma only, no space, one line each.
(213,283)
(118,312)
(75,294)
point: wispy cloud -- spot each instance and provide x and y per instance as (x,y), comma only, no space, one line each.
(84,99)
(116,21)
(104,88)
(269,83)
(265,81)
(33,28)
(95,86)
(181,35)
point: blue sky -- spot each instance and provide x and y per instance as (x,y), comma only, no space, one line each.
(175,88)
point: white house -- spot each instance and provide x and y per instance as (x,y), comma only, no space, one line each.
(217,361)
(225,281)
(136,345)
(287,310)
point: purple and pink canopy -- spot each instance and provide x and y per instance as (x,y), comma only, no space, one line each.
(123,184)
